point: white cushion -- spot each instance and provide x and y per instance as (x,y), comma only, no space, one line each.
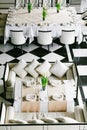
(79,115)
(35,121)
(31,68)
(19,68)
(49,120)
(44,68)
(59,69)
(66,119)
(11,79)
(17,121)
(21,63)
(19,71)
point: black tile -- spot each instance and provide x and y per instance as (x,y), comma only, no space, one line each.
(81,60)
(61,51)
(16,52)
(83,80)
(40,52)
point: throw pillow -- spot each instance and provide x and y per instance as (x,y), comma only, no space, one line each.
(31,68)
(35,121)
(44,68)
(66,120)
(59,69)
(49,120)
(19,71)
(19,68)
(17,121)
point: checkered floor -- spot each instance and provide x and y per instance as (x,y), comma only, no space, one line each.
(33,51)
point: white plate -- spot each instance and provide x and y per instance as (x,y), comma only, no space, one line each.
(31,97)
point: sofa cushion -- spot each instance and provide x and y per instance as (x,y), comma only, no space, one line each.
(11,79)
(35,121)
(19,68)
(43,69)
(59,69)
(49,120)
(17,121)
(63,119)
(31,68)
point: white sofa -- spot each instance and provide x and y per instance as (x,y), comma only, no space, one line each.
(34,70)
(9,116)
(14,83)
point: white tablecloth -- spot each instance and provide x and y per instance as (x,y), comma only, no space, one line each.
(32,22)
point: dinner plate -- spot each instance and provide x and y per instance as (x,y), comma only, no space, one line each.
(31,97)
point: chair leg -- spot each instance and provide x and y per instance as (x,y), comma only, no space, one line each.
(48,47)
(68,52)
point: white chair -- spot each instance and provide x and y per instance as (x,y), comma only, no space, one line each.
(44,37)
(67,38)
(17,38)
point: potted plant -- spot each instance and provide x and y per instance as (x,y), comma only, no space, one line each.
(44,82)
(58,6)
(29,7)
(44,13)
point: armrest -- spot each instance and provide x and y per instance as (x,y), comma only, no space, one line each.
(3,113)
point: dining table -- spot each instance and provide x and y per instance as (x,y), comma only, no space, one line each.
(30,23)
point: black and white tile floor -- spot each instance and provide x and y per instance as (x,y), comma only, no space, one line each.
(79,53)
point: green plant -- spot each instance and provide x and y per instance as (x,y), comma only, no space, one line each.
(44,13)
(58,6)
(44,82)
(29,7)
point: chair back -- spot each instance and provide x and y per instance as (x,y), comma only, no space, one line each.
(67,37)
(44,37)
(17,37)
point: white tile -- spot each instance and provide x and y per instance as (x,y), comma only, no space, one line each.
(28,57)
(6,47)
(80,52)
(5,58)
(82,70)
(1,71)
(52,47)
(52,57)
(85,91)
(30,47)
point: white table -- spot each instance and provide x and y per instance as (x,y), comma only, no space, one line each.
(32,22)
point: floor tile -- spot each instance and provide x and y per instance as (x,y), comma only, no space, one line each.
(5,58)
(80,52)
(16,52)
(2,71)
(52,57)
(28,57)
(40,52)
(82,70)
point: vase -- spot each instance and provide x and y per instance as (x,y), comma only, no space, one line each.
(57,11)
(43,19)
(43,88)
(29,11)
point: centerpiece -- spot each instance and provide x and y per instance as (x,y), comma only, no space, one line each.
(58,6)
(29,7)
(44,82)
(44,13)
